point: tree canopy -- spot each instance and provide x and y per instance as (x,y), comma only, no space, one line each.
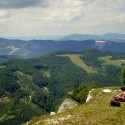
(123,75)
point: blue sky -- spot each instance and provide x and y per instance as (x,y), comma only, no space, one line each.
(28,18)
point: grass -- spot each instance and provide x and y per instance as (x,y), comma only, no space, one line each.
(6,117)
(95,112)
(25,81)
(107,60)
(46,73)
(4,99)
(75,58)
(27,85)
(1,67)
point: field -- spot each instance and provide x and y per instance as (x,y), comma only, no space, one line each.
(107,60)
(75,58)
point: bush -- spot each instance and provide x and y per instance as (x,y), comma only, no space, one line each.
(81,92)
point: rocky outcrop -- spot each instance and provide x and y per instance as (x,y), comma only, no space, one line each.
(67,104)
(89,96)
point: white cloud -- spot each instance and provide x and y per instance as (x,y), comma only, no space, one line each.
(4,14)
(62,17)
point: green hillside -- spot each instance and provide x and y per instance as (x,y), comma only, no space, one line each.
(95,112)
(75,58)
(34,87)
(107,60)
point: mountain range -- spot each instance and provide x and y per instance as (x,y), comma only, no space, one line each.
(76,42)
(109,36)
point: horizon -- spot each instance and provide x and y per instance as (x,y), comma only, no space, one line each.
(57,37)
(41,18)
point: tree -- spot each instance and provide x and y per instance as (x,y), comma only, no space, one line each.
(80,93)
(123,76)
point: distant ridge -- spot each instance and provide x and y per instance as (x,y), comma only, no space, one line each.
(74,42)
(108,36)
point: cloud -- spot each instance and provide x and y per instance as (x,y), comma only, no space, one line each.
(58,17)
(4,14)
(17,4)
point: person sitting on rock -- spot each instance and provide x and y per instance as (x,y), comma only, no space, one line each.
(119,98)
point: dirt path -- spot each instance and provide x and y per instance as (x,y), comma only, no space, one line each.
(3,117)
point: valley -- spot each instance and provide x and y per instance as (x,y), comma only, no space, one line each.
(38,86)
(41,84)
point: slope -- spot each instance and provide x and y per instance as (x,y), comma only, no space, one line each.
(95,112)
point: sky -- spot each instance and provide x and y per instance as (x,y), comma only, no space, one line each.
(30,18)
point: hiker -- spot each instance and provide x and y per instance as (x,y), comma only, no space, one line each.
(121,97)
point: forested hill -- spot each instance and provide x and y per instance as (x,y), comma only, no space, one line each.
(7,57)
(32,87)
